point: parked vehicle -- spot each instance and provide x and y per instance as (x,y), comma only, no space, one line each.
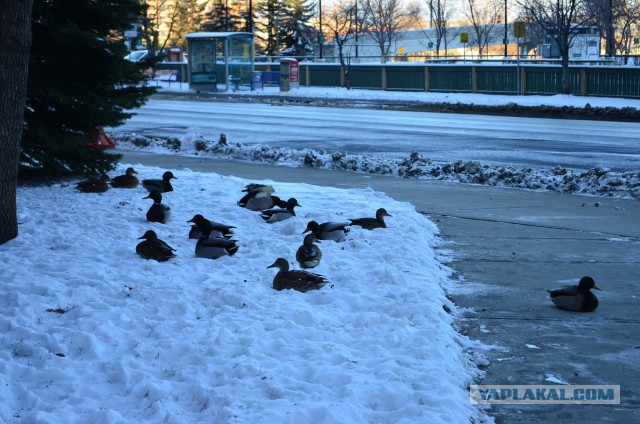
(137,56)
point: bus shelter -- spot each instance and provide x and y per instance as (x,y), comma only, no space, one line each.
(219,61)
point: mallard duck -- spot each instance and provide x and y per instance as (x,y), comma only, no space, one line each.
(372,223)
(128,180)
(309,255)
(213,248)
(576,298)
(259,198)
(154,248)
(298,280)
(162,185)
(275,215)
(218,230)
(336,231)
(94,185)
(158,212)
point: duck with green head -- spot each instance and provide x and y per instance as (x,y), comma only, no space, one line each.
(154,248)
(158,212)
(280,214)
(163,185)
(212,248)
(336,231)
(576,298)
(259,198)
(218,230)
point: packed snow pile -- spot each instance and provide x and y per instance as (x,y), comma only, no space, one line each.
(94,333)
(598,181)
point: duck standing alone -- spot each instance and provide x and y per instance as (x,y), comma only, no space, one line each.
(158,212)
(154,248)
(308,255)
(163,185)
(94,185)
(576,298)
(128,180)
(372,223)
(301,281)
(336,231)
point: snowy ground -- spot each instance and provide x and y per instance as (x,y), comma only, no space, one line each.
(93,333)
(422,97)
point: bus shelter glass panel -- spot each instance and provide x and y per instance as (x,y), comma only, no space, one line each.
(221,65)
(203,59)
(240,61)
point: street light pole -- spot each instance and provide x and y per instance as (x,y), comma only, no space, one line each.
(610,43)
(321,36)
(356,28)
(506,29)
(226,15)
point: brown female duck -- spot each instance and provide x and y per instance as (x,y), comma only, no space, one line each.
(128,180)
(308,255)
(94,185)
(297,280)
(372,223)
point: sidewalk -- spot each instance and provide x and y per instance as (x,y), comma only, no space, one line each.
(509,246)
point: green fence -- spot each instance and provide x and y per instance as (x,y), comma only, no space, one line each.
(496,80)
(605,81)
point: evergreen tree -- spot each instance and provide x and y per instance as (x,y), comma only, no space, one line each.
(221,18)
(78,81)
(189,19)
(244,10)
(272,14)
(299,35)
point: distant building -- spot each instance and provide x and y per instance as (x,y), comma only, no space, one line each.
(585,45)
(420,44)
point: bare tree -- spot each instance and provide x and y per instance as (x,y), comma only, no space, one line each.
(534,33)
(628,24)
(560,20)
(156,28)
(618,21)
(340,23)
(15,42)
(483,15)
(189,19)
(384,20)
(439,15)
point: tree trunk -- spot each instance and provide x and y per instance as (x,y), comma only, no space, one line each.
(566,77)
(15,42)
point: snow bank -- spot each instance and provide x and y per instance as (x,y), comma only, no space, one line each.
(598,181)
(91,332)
